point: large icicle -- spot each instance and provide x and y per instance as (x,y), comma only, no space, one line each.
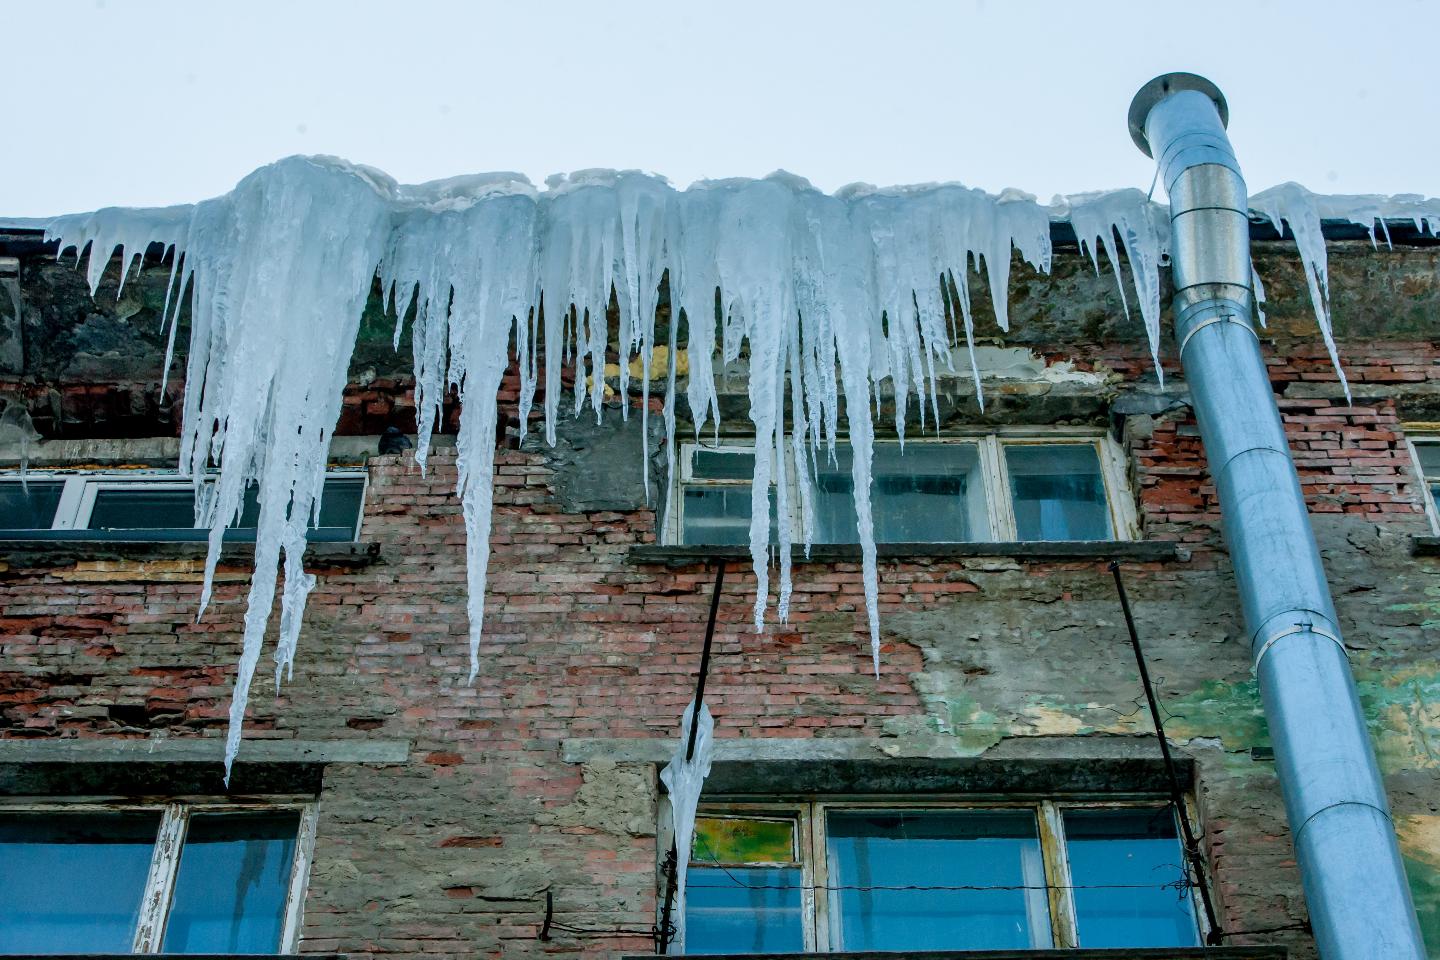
(684,780)
(1292,204)
(816,291)
(1144,231)
(281,269)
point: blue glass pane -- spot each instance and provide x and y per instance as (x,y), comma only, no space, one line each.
(73,883)
(929,493)
(937,880)
(339,504)
(231,887)
(743,910)
(722,465)
(1058,492)
(29,505)
(132,507)
(1127,868)
(721,515)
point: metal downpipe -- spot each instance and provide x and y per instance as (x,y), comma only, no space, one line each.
(1350,864)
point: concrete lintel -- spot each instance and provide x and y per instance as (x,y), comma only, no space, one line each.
(203,750)
(757,749)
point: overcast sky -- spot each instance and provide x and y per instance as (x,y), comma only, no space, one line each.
(137,102)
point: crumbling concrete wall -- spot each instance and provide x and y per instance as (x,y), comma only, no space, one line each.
(541,776)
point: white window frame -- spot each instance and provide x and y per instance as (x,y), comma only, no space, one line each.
(77,498)
(1417,436)
(999,501)
(810,819)
(175,817)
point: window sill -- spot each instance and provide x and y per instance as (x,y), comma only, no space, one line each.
(54,553)
(1117,953)
(1137,550)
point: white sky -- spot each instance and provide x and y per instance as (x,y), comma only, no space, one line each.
(128,102)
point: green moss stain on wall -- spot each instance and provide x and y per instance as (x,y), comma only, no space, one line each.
(1420,843)
(1402,708)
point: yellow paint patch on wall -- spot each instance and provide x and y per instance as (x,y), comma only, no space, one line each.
(158,571)
(1419,835)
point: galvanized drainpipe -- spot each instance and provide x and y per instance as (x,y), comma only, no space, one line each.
(1354,882)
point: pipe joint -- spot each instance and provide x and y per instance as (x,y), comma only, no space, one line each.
(1207,313)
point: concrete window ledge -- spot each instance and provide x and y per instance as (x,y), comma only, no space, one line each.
(32,554)
(1136,550)
(1122,953)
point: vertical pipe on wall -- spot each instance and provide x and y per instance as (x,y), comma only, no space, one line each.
(1350,864)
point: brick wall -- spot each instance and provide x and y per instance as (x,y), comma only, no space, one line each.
(451,852)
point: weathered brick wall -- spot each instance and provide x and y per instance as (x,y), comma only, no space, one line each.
(451,852)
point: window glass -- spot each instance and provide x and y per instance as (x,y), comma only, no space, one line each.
(927,493)
(29,505)
(73,883)
(936,880)
(136,507)
(722,464)
(339,505)
(1127,868)
(733,905)
(1058,492)
(744,840)
(1429,454)
(721,515)
(743,910)
(232,883)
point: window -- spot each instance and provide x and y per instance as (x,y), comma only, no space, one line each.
(1426,450)
(176,878)
(150,506)
(816,877)
(1025,486)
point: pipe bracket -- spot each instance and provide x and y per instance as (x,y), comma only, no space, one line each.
(1298,628)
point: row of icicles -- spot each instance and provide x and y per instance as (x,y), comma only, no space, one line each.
(823,295)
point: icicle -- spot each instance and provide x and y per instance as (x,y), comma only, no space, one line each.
(1144,231)
(1257,289)
(281,269)
(1292,204)
(684,780)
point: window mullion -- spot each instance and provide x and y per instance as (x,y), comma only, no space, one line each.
(1063,926)
(816,877)
(69,506)
(997,482)
(160,883)
(1123,521)
(299,872)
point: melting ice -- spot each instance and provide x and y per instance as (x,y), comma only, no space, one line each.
(823,295)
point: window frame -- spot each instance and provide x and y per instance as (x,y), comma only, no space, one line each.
(77,497)
(1424,436)
(990,444)
(175,814)
(810,817)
